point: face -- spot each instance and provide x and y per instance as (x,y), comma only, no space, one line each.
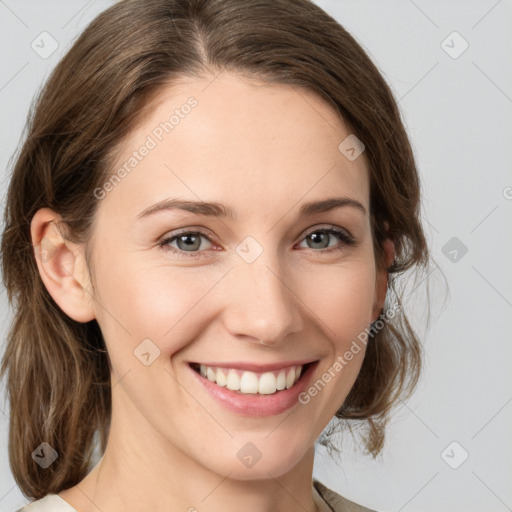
(269,278)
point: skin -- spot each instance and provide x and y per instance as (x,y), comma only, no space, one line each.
(263,150)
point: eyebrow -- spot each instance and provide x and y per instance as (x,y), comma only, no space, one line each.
(214,209)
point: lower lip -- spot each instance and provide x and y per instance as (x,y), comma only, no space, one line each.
(257,405)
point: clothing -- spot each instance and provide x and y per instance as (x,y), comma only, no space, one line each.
(325,499)
(50,503)
(330,501)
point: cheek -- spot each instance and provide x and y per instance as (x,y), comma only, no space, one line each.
(342,297)
(159,303)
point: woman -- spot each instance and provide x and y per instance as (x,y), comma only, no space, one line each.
(202,232)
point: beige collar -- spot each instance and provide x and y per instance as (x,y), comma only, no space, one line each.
(321,505)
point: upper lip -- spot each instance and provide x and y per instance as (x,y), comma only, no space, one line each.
(256,368)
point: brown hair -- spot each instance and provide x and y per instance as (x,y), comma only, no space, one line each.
(58,371)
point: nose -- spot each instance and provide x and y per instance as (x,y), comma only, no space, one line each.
(261,304)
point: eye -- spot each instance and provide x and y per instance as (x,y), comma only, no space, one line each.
(186,241)
(321,238)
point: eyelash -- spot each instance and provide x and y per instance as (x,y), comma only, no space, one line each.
(344,236)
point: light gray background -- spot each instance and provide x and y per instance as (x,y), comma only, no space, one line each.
(458,114)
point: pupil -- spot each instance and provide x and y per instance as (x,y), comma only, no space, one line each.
(189,243)
(316,238)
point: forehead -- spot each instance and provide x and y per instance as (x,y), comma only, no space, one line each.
(227,137)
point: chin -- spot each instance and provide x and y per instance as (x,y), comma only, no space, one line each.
(260,460)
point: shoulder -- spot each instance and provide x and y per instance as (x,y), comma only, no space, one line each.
(336,502)
(50,503)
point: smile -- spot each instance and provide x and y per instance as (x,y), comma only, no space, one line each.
(248,382)
(249,389)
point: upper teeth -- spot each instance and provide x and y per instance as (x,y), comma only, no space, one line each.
(250,382)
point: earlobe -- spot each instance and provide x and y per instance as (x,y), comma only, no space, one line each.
(61,265)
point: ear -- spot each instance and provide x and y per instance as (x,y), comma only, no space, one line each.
(381,281)
(62,267)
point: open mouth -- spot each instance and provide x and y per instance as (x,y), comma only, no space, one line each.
(252,383)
